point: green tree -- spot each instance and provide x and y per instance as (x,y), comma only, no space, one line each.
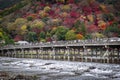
(8,40)
(70,35)
(83,29)
(88,36)
(42,35)
(77,24)
(112,30)
(108,17)
(32,36)
(17,27)
(60,32)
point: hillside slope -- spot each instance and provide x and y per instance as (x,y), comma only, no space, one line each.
(7,3)
(85,19)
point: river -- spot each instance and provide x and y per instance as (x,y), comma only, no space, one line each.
(57,70)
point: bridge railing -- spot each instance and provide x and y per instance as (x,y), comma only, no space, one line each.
(72,42)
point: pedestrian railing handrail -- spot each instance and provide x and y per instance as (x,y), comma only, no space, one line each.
(104,41)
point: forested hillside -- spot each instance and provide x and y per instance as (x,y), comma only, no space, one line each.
(42,20)
(7,3)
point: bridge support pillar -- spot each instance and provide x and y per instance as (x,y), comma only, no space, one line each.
(68,53)
(37,54)
(31,54)
(54,52)
(15,53)
(118,55)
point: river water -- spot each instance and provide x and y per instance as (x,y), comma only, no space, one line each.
(59,70)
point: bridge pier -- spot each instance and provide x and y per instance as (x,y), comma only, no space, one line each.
(53,53)
(118,55)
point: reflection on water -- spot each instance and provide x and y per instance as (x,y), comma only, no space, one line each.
(60,70)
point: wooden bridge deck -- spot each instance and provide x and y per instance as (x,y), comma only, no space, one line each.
(81,43)
(82,50)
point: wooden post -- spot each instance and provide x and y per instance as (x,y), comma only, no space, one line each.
(96,54)
(64,54)
(50,54)
(8,53)
(31,53)
(37,53)
(18,53)
(101,53)
(15,53)
(112,56)
(11,53)
(91,54)
(46,53)
(54,52)
(78,54)
(68,53)
(118,55)
(40,53)
(59,56)
(85,52)
(108,55)
(23,53)
(74,54)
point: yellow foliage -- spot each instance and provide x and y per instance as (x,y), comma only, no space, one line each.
(99,35)
(60,1)
(38,23)
(1,34)
(56,21)
(64,14)
(1,19)
(43,14)
(65,7)
(70,35)
(20,21)
(90,18)
(11,26)
(24,27)
(103,7)
(47,8)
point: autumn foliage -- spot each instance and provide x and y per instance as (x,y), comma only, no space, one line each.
(63,20)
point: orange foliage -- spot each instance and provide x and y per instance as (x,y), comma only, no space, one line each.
(54,28)
(102,24)
(33,16)
(79,36)
(103,27)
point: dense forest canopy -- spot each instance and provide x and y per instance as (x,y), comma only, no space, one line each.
(50,20)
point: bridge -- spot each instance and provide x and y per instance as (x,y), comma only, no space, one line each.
(99,50)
